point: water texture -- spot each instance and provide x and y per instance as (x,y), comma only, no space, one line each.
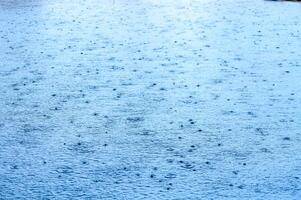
(150,99)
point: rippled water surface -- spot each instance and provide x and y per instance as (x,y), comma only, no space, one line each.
(150,99)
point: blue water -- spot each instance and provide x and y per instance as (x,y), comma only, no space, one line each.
(150,99)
